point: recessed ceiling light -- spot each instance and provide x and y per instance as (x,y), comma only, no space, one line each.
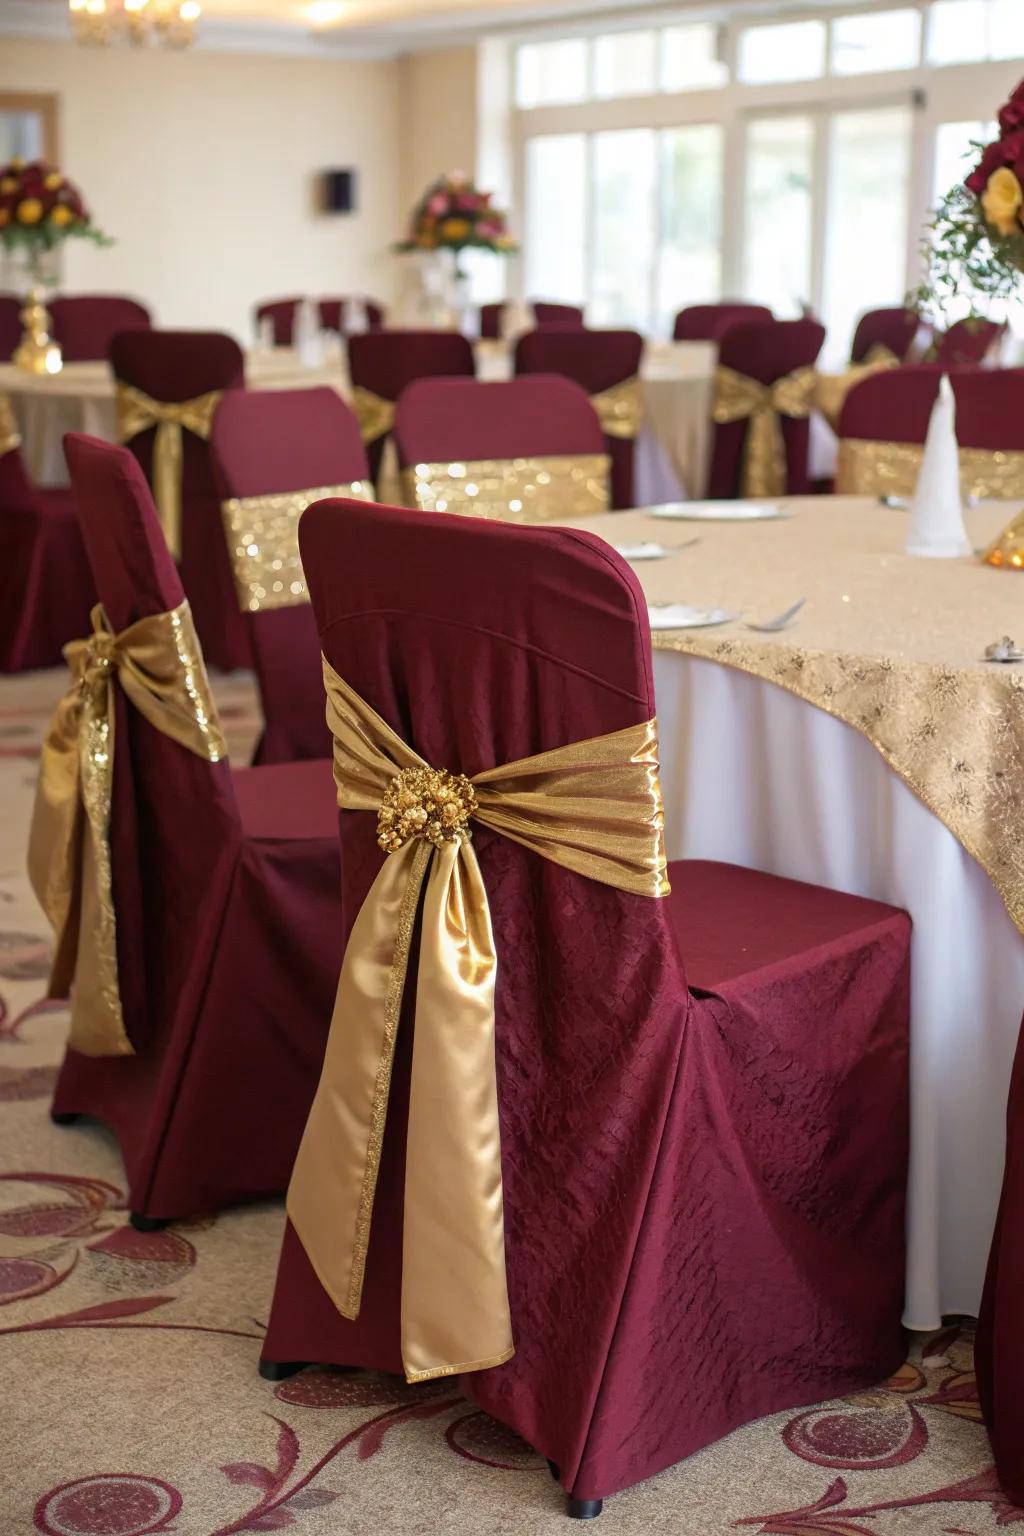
(322,12)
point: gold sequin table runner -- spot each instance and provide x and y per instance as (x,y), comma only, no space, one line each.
(889,644)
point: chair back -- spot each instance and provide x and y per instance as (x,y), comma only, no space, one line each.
(597,361)
(531,448)
(333,313)
(173,820)
(491,319)
(10,325)
(707,322)
(765,351)
(546,313)
(386,362)
(175,366)
(969,343)
(893,329)
(281,314)
(83,324)
(264,443)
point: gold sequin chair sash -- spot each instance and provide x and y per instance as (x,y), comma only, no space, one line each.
(263,542)
(866,467)
(545,489)
(138,412)
(593,807)
(741,398)
(10,437)
(620,409)
(375,415)
(159,666)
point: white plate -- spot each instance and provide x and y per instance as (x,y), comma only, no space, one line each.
(719,511)
(682,616)
(641,551)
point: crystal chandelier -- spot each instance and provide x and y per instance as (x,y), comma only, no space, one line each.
(169,22)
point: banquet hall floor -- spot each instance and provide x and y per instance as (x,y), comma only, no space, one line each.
(163,1425)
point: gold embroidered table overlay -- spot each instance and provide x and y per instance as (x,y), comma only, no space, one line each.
(762,406)
(538,490)
(890,644)
(263,542)
(592,806)
(138,412)
(158,664)
(869,468)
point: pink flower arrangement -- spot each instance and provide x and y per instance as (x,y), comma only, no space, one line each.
(455,215)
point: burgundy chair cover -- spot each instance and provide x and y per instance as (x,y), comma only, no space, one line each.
(333,310)
(707,322)
(491,318)
(386,362)
(84,323)
(968,342)
(226,892)
(537,414)
(896,405)
(546,313)
(180,365)
(281,314)
(10,325)
(596,360)
(704,1192)
(46,586)
(266,441)
(766,351)
(894,329)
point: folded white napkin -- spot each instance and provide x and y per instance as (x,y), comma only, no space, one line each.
(936,512)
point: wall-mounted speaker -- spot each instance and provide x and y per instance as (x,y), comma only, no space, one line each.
(339,191)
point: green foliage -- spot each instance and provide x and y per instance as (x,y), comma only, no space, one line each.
(965,259)
(47,237)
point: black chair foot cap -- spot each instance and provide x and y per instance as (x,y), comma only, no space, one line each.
(64,1117)
(280,1370)
(149,1223)
(584,1509)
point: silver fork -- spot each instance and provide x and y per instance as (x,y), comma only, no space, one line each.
(780,621)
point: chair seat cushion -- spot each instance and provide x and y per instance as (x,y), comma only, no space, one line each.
(288,800)
(733,922)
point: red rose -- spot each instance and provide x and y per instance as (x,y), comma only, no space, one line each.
(1012,115)
(1006,151)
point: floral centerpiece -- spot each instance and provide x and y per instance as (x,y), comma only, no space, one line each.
(455,215)
(40,209)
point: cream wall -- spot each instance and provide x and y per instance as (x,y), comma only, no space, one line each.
(203,166)
(438,117)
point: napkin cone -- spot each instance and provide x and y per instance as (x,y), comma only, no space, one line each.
(308,341)
(937,512)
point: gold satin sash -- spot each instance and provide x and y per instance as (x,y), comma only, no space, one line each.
(375,415)
(620,409)
(263,542)
(138,412)
(831,389)
(551,489)
(868,468)
(593,807)
(160,668)
(879,356)
(739,398)
(10,437)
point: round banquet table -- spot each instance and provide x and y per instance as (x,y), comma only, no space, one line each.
(860,749)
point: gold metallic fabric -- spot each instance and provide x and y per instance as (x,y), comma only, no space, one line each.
(159,666)
(879,356)
(1007,551)
(138,412)
(831,389)
(869,468)
(375,415)
(540,490)
(739,398)
(10,437)
(263,542)
(593,807)
(620,409)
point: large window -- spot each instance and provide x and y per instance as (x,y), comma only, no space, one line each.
(794,50)
(690,256)
(777,242)
(967,31)
(687,57)
(556,217)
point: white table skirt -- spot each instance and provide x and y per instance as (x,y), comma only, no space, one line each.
(753,775)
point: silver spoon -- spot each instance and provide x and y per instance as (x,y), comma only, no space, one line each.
(769,626)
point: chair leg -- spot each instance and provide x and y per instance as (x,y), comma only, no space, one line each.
(64,1117)
(553,1469)
(280,1370)
(584,1509)
(149,1223)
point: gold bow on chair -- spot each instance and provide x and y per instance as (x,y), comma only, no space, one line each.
(160,668)
(739,398)
(831,389)
(593,807)
(620,409)
(138,412)
(375,415)
(10,437)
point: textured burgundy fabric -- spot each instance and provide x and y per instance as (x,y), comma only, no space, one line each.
(704,1192)
(46,586)
(180,365)
(441,419)
(387,362)
(999,1346)
(546,313)
(286,440)
(764,350)
(892,328)
(708,322)
(968,342)
(491,317)
(226,894)
(332,312)
(10,325)
(596,360)
(84,323)
(896,405)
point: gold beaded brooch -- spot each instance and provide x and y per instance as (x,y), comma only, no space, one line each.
(425,802)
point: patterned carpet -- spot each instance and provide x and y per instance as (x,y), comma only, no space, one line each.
(131,1404)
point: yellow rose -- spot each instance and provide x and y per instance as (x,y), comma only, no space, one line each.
(1002,201)
(62,216)
(454,229)
(30,210)
(53,181)
(9,184)
(5,217)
